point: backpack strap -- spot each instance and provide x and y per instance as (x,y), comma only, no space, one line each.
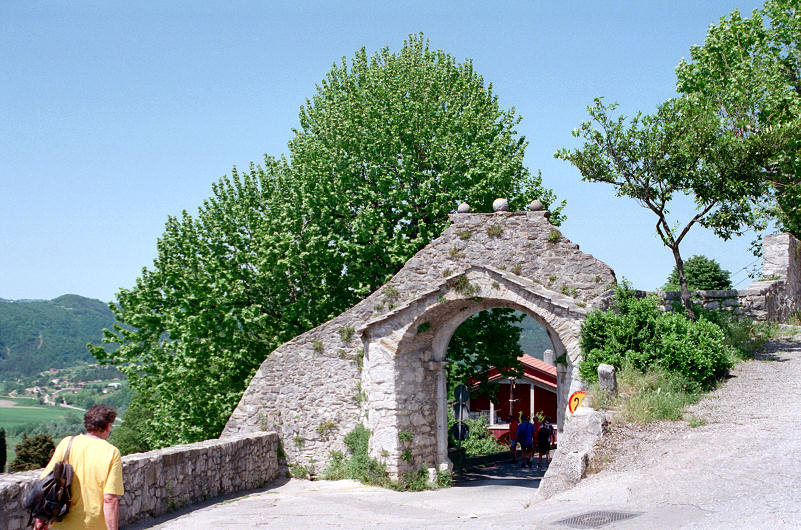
(67,452)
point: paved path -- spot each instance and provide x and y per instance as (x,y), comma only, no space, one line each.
(740,470)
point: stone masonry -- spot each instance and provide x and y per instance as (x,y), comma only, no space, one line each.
(161,481)
(382,363)
(775,297)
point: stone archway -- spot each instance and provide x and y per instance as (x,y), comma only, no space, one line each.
(405,358)
(381,362)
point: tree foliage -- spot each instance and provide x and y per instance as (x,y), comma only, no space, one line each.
(677,150)
(748,71)
(129,437)
(487,339)
(33,453)
(385,149)
(3,450)
(702,273)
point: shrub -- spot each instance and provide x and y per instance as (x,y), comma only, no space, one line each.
(358,466)
(638,333)
(480,440)
(701,273)
(33,453)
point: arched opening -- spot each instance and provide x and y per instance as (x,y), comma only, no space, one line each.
(405,360)
(506,359)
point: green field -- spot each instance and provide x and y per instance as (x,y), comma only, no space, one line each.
(14,416)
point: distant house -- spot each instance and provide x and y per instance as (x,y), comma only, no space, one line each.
(534,391)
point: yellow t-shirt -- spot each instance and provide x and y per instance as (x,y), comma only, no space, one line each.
(98,470)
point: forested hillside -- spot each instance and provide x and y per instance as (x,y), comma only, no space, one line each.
(41,334)
(534,339)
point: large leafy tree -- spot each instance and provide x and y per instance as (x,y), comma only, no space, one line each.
(677,150)
(748,70)
(385,149)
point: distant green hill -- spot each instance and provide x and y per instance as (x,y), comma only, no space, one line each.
(39,334)
(534,339)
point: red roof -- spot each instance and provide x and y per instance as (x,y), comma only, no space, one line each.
(533,369)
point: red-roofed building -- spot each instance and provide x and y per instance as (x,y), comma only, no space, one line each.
(534,391)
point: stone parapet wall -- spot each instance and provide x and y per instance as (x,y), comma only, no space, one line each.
(762,300)
(774,298)
(161,481)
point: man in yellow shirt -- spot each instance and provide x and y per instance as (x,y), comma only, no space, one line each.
(97,483)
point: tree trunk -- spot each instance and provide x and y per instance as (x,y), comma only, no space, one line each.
(685,292)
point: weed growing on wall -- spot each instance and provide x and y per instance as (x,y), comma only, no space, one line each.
(346,333)
(462,285)
(357,464)
(405,436)
(494,230)
(325,428)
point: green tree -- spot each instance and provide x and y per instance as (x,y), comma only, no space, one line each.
(33,453)
(679,149)
(129,436)
(3,449)
(749,72)
(489,338)
(385,149)
(702,273)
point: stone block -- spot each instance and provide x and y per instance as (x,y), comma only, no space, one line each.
(607,378)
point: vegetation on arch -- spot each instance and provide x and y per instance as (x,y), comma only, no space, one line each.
(385,149)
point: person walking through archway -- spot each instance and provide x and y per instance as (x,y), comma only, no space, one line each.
(513,437)
(525,436)
(545,436)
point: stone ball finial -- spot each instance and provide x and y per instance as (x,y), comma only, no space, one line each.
(500,205)
(535,205)
(463,208)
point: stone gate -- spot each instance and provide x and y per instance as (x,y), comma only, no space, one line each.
(382,363)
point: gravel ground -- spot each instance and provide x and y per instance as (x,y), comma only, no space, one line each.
(754,390)
(741,469)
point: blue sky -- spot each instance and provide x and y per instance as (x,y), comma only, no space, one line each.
(116,116)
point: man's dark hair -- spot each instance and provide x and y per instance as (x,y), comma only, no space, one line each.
(547,419)
(99,417)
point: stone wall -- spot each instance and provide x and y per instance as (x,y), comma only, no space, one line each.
(774,298)
(312,391)
(161,481)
